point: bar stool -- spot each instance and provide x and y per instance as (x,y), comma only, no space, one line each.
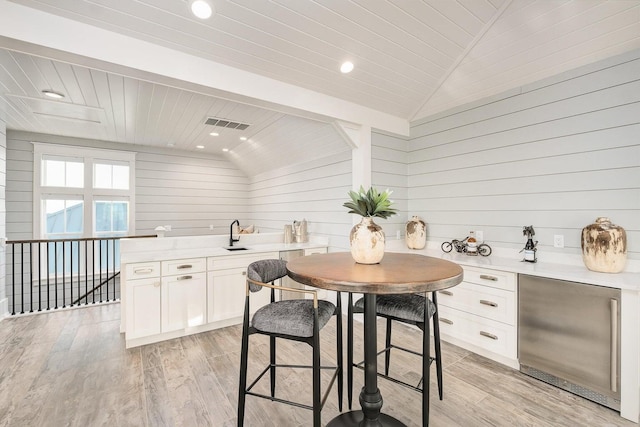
(297,320)
(405,308)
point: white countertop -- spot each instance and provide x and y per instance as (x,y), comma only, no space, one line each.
(570,272)
(159,249)
(165,248)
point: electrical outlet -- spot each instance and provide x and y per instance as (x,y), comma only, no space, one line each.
(558,241)
(167,227)
(211,227)
(479,236)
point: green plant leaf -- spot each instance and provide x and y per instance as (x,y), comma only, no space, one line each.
(370,203)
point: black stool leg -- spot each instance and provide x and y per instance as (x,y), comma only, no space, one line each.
(339,355)
(436,339)
(244,355)
(426,362)
(350,351)
(272,368)
(387,353)
(317,404)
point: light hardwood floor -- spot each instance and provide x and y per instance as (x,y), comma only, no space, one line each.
(70,368)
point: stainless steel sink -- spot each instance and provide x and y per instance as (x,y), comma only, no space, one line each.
(236,248)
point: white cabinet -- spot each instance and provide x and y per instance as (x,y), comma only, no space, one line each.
(226,288)
(184,293)
(184,301)
(142,300)
(176,297)
(480,314)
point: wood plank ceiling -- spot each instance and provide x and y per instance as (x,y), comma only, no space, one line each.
(412,59)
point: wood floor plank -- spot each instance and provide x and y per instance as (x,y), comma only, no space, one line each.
(71,368)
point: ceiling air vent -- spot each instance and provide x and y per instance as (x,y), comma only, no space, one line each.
(224,123)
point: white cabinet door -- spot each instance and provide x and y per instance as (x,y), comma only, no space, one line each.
(226,294)
(184,301)
(143,307)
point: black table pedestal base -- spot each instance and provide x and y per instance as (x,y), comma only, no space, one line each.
(354,419)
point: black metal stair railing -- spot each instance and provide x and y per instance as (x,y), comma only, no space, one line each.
(59,273)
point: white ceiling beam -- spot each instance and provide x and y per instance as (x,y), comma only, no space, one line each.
(39,28)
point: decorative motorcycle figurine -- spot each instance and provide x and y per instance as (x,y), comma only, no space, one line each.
(462,245)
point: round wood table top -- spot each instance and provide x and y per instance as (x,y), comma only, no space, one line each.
(397,273)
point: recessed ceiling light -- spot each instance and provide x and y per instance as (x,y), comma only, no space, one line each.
(243,138)
(346,67)
(201,9)
(214,134)
(200,147)
(225,149)
(53,94)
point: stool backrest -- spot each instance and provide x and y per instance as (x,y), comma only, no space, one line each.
(265,271)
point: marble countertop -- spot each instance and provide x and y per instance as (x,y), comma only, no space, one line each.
(169,248)
(571,272)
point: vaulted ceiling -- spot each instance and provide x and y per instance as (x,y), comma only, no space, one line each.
(412,59)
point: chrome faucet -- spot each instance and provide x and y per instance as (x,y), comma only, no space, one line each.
(231,239)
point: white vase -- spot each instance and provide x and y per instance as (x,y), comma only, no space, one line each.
(367,242)
(416,233)
(604,246)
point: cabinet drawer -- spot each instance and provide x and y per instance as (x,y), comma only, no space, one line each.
(238,261)
(183,266)
(491,303)
(492,278)
(490,335)
(142,270)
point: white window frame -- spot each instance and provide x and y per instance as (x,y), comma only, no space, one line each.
(88,194)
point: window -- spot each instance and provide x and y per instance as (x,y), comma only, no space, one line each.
(111,217)
(60,172)
(63,218)
(111,175)
(82,192)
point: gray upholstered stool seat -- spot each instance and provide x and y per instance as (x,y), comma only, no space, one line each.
(402,306)
(292,317)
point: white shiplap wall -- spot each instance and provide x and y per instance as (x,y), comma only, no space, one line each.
(555,155)
(313,190)
(3,212)
(189,191)
(389,170)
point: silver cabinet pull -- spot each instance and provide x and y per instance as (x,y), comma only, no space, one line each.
(448,293)
(156,284)
(183,266)
(488,335)
(614,345)
(487,277)
(244,273)
(445,320)
(143,270)
(490,303)
(184,277)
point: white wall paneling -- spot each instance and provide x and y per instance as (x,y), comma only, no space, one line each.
(314,190)
(389,170)
(3,211)
(555,155)
(188,191)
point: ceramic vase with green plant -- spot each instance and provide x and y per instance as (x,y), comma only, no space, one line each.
(367,238)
